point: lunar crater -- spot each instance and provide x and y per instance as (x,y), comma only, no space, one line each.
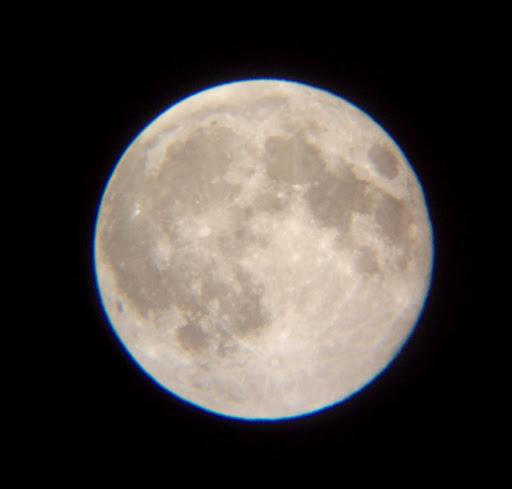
(384,160)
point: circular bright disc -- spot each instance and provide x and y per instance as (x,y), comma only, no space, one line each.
(263,249)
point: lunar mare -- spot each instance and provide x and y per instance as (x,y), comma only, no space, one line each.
(263,249)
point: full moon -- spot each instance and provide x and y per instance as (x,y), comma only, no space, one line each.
(263,249)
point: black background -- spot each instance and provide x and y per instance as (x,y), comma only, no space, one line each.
(422,411)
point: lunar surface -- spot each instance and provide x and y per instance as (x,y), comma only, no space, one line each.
(263,249)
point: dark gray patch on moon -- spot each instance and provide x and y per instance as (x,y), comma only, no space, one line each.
(193,170)
(333,199)
(393,218)
(128,246)
(292,160)
(192,337)
(383,160)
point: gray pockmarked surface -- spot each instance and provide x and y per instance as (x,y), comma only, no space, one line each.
(263,249)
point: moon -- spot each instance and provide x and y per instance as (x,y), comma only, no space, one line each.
(263,249)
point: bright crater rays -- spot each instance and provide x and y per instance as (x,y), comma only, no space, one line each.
(263,249)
